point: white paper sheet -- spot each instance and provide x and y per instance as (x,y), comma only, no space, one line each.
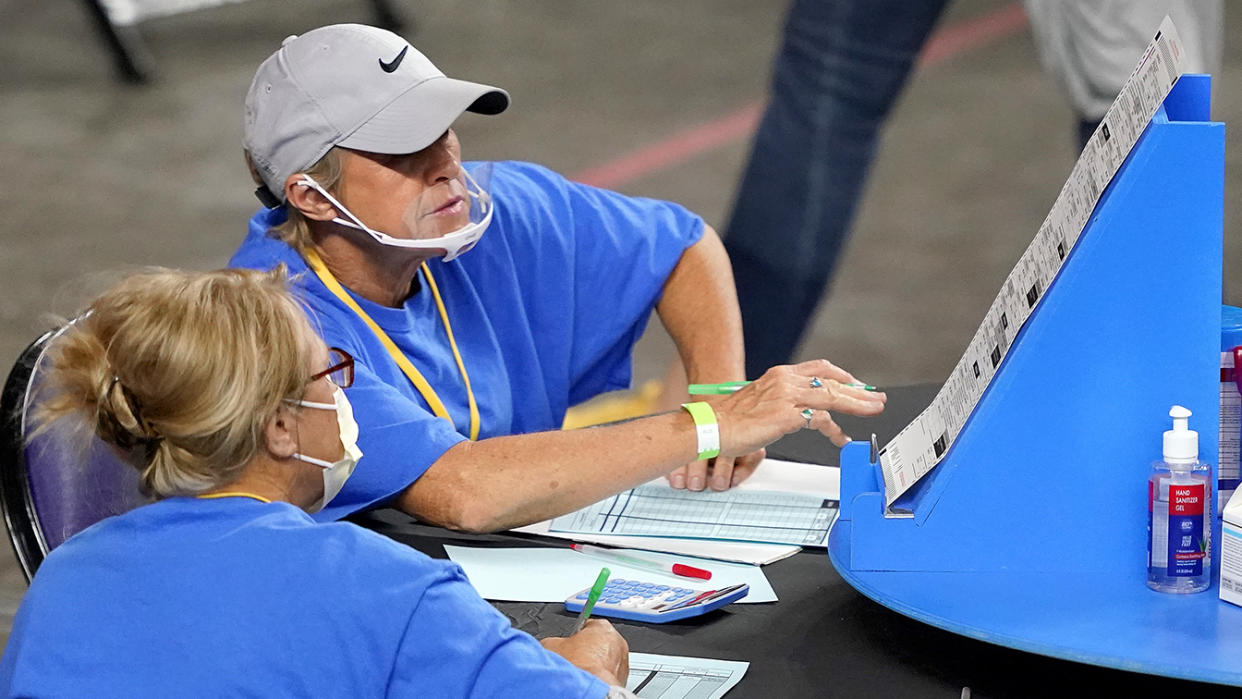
(772,474)
(679,677)
(794,477)
(554,574)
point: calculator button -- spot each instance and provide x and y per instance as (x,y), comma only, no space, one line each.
(582,596)
(661,587)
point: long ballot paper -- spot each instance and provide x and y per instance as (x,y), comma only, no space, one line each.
(796,506)
(920,445)
(677,677)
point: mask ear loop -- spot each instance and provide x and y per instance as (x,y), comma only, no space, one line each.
(353,222)
(298,455)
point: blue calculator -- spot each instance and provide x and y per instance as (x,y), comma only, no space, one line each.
(656,603)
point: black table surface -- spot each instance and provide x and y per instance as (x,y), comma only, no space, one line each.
(823,638)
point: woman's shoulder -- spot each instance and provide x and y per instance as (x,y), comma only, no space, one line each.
(344,548)
(275,535)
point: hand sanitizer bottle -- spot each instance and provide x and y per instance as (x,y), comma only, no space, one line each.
(1179,512)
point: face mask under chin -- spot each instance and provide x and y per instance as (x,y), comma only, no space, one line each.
(448,217)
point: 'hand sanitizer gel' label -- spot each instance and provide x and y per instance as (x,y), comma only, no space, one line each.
(1187,545)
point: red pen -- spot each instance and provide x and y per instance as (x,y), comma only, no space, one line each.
(679,569)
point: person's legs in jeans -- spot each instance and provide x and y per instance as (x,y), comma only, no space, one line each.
(841,67)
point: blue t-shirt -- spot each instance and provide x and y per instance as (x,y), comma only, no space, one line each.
(545,309)
(235,597)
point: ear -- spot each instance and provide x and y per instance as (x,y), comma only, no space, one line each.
(308,200)
(280,434)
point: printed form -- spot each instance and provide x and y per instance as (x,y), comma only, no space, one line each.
(789,503)
(675,677)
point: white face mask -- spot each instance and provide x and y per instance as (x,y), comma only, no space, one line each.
(453,244)
(335,474)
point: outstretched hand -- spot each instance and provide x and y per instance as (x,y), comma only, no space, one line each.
(783,400)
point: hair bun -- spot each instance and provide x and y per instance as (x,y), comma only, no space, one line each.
(128,429)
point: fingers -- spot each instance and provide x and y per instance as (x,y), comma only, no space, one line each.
(822,422)
(696,475)
(772,406)
(744,466)
(812,381)
(722,472)
(677,479)
(846,399)
(598,648)
(607,636)
(824,369)
(597,625)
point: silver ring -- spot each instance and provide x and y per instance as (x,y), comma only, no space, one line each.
(807,413)
(816,383)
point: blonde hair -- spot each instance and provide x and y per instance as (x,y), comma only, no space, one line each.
(295,231)
(181,371)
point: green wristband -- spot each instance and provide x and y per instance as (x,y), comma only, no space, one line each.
(706,427)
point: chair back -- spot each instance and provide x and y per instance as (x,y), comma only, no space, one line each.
(52,487)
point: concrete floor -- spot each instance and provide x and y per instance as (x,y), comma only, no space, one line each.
(101,177)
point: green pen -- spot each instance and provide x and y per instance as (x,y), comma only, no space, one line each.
(719,389)
(715,389)
(592,598)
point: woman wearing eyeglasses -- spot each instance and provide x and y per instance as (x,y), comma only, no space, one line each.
(215,388)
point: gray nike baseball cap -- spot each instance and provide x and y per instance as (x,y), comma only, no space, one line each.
(354,86)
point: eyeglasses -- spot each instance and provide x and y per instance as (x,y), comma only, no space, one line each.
(341,370)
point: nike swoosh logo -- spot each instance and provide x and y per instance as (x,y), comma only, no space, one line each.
(394,63)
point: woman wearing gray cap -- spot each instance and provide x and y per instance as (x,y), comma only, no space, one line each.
(468,362)
(216,389)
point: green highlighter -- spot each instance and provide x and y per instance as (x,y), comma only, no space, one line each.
(593,597)
(715,389)
(721,389)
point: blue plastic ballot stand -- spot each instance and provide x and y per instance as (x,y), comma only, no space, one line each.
(1031,533)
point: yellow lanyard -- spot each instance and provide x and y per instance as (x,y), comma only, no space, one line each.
(233,494)
(415,377)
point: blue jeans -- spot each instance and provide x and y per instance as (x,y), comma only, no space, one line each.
(839,71)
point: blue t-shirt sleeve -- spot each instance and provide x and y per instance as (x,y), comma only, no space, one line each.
(399,440)
(461,645)
(600,256)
